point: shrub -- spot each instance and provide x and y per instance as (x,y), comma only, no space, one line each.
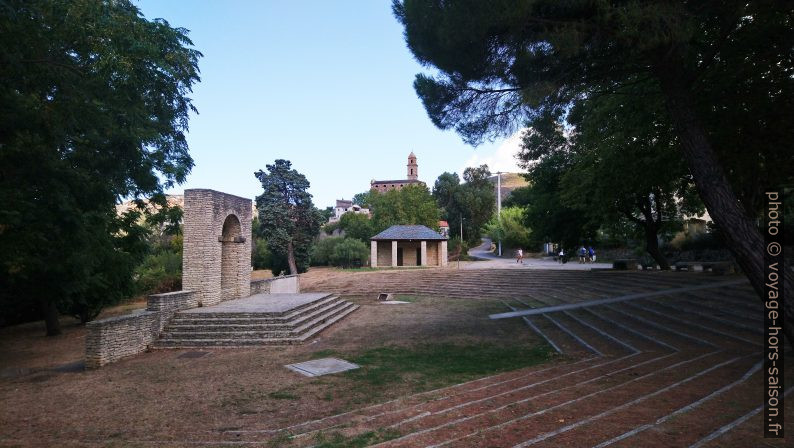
(261,257)
(160,272)
(455,247)
(324,250)
(510,230)
(349,252)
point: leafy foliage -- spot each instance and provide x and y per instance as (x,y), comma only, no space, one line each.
(95,108)
(364,199)
(412,204)
(510,229)
(357,225)
(350,252)
(323,251)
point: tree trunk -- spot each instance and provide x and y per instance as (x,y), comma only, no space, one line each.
(293,267)
(652,246)
(50,312)
(741,234)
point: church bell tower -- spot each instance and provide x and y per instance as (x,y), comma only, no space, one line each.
(413,168)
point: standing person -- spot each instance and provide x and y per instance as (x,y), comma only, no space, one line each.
(562,255)
(582,255)
(591,251)
(520,256)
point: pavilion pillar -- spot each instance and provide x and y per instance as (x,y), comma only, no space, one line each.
(373,254)
(442,253)
(394,253)
(423,256)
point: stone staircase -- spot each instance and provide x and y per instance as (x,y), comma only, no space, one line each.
(239,329)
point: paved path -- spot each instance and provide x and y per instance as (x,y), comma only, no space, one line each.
(494,262)
(259,303)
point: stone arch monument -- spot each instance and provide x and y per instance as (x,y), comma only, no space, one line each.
(216,257)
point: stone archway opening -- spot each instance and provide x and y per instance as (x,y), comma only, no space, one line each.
(231,249)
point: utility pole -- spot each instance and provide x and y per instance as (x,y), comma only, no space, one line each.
(499,205)
(461,240)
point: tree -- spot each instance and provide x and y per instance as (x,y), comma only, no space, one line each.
(363,199)
(327,213)
(626,165)
(412,204)
(477,200)
(323,251)
(503,62)
(95,108)
(510,229)
(357,226)
(288,219)
(549,217)
(444,191)
(473,201)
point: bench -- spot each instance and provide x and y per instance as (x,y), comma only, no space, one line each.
(628,264)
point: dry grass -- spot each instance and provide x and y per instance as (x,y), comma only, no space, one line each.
(160,396)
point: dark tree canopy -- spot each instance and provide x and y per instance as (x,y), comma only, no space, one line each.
(95,108)
(626,166)
(288,219)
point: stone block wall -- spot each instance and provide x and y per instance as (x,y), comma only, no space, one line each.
(284,284)
(212,256)
(384,253)
(432,253)
(111,339)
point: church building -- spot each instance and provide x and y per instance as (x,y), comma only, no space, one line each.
(383,186)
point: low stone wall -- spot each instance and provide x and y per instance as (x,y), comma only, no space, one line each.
(286,284)
(111,339)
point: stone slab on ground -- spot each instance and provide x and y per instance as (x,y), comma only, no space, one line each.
(260,303)
(324,366)
(393,302)
(193,355)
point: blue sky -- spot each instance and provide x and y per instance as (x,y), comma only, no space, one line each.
(326,85)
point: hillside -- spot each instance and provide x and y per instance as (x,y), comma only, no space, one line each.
(173,200)
(510,181)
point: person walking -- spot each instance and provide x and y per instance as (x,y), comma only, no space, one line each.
(520,256)
(562,255)
(592,254)
(582,255)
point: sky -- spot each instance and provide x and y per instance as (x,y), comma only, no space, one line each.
(326,85)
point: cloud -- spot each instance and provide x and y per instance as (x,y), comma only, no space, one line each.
(502,159)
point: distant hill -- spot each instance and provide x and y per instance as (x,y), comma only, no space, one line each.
(510,181)
(173,200)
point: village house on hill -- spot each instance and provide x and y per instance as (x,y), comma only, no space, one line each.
(343,206)
(412,245)
(383,186)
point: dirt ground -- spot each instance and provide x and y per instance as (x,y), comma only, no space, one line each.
(170,397)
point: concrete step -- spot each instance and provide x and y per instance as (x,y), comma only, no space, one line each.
(200,332)
(253,324)
(216,342)
(252,318)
